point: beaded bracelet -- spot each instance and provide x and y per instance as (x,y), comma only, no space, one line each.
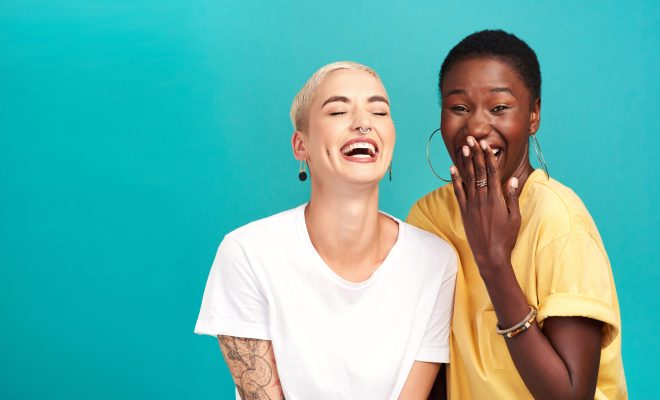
(521,326)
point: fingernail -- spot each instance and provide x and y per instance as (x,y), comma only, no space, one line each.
(483,144)
(452,170)
(514,183)
(470,141)
(466,151)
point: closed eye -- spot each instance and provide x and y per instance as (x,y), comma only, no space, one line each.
(338,113)
(381,114)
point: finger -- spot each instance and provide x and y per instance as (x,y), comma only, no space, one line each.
(481,180)
(512,195)
(492,173)
(461,162)
(468,173)
(457,182)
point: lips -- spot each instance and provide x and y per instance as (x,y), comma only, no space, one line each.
(360,150)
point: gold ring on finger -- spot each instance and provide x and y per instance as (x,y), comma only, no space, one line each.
(481,183)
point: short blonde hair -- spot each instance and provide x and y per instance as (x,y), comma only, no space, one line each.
(305,97)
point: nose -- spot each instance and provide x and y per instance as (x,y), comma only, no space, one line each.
(362,123)
(478,125)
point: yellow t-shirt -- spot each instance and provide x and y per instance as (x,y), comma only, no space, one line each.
(560,263)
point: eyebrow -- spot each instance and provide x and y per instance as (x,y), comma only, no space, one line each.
(493,90)
(332,99)
(376,98)
(454,91)
(502,90)
(346,100)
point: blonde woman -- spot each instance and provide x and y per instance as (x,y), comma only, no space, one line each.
(333,299)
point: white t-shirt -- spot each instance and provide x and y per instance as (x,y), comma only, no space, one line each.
(332,338)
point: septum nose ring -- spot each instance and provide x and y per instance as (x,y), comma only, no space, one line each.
(364,131)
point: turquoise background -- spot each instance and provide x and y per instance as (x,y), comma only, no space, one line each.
(135,134)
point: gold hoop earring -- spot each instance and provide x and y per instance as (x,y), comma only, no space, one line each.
(302,175)
(539,154)
(428,157)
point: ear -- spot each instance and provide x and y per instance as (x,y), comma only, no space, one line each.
(298,145)
(535,117)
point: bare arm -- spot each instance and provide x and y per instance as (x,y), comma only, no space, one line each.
(252,365)
(559,362)
(420,381)
(439,390)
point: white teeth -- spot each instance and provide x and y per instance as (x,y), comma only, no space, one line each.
(359,145)
(496,151)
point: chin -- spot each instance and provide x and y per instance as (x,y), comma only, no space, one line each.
(364,179)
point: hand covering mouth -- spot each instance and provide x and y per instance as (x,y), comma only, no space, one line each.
(360,148)
(497,151)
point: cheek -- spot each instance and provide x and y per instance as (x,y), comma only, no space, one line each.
(328,125)
(449,123)
(513,124)
(516,134)
(326,132)
(318,142)
(387,132)
(510,127)
(450,127)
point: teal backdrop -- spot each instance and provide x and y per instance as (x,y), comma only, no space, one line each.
(135,134)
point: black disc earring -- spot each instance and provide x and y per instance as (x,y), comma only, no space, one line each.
(302,175)
(390,172)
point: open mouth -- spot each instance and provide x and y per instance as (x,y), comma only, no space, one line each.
(361,149)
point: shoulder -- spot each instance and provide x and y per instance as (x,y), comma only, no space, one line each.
(435,211)
(422,240)
(427,248)
(558,204)
(276,226)
(556,213)
(431,202)
(259,243)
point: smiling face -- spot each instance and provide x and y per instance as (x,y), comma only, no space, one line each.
(486,99)
(350,135)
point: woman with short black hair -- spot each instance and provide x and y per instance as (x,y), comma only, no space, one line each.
(536,313)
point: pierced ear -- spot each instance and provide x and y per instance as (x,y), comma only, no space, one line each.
(298,145)
(535,116)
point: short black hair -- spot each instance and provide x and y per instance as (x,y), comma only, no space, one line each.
(501,46)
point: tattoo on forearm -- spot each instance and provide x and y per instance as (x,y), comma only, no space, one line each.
(252,372)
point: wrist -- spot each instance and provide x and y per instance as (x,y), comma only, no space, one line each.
(494,270)
(506,295)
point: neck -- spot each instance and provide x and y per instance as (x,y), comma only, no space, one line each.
(346,229)
(523,172)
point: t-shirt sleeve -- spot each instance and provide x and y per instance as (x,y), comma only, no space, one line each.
(233,302)
(575,280)
(435,344)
